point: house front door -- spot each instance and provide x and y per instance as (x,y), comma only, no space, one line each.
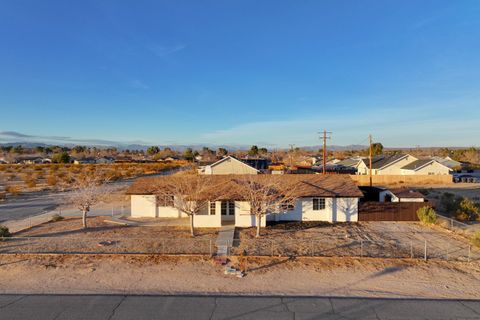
(228,210)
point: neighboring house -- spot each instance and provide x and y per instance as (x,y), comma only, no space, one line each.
(329,198)
(401,195)
(105,160)
(86,160)
(29,160)
(229,165)
(387,164)
(448,162)
(425,167)
(355,164)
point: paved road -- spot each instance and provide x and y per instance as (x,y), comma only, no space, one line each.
(36,203)
(95,307)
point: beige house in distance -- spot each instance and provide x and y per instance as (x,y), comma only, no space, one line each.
(229,165)
(386,164)
(425,167)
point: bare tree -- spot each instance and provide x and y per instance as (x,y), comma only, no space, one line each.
(267,194)
(189,193)
(87,192)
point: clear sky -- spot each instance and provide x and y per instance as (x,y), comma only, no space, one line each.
(242,72)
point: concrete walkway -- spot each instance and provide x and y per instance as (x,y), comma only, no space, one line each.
(117,307)
(225,239)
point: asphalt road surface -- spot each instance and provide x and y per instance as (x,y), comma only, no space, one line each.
(95,307)
(35,203)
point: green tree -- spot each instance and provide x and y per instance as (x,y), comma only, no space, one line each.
(153,150)
(253,151)
(61,157)
(188,154)
(222,152)
(263,151)
(468,210)
(377,148)
(17,149)
(450,203)
(427,215)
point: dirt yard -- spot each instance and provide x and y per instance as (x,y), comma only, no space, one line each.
(303,276)
(68,236)
(372,239)
(364,239)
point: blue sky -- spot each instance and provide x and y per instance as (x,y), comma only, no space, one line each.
(242,72)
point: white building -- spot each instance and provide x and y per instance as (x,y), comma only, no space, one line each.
(229,165)
(400,195)
(425,167)
(332,198)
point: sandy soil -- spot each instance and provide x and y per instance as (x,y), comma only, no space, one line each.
(305,276)
(387,239)
(68,236)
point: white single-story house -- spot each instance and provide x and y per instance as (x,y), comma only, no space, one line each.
(425,167)
(389,164)
(401,195)
(229,165)
(332,198)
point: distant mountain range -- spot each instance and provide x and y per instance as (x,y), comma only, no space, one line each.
(177,147)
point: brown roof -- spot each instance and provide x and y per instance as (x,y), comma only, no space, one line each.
(307,185)
(407,193)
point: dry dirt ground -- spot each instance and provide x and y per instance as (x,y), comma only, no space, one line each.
(365,239)
(68,236)
(373,239)
(351,277)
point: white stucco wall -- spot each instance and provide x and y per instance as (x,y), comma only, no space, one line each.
(336,210)
(230,166)
(433,168)
(243,218)
(395,169)
(144,206)
(383,194)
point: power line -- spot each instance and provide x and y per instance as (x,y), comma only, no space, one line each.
(326,135)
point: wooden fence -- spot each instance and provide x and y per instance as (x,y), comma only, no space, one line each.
(398,180)
(389,211)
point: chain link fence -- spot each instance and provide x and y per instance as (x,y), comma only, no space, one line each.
(415,248)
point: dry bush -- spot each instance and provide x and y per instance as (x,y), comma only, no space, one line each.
(12,190)
(11,177)
(3,168)
(52,180)
(32,183)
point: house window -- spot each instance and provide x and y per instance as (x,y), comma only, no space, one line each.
(212,208)
(318,204)
(287,207)
(224,208)
(231,208)
(228,208)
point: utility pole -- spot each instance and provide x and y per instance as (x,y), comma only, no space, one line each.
(370,158)
(291,154)
(325,137)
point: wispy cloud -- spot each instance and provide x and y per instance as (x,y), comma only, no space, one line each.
(13,136)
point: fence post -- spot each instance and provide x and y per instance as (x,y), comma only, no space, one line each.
(425,251)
